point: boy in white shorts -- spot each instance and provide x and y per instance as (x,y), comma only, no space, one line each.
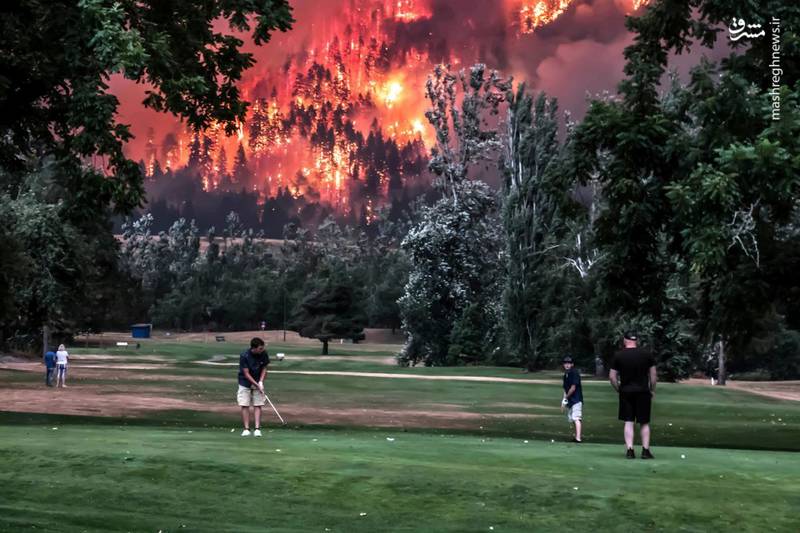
(252,371)
(572,401)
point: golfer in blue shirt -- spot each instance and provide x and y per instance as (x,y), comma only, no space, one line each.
(252,371)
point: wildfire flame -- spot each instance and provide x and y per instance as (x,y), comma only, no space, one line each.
(391,93)
(535,15)
(532,15)
(346,96)
(409,11)
(342,121)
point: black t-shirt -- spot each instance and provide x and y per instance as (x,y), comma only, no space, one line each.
(633,365)
(573,377)
(255,363)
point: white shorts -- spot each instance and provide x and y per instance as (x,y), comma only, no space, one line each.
(575,412)
(247,397)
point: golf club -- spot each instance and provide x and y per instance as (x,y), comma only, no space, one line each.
(273,408)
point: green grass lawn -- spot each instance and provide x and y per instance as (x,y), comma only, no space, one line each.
(161,470)
(684,415)
(85,477)
(195,351)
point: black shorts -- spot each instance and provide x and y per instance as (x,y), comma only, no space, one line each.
(635,406)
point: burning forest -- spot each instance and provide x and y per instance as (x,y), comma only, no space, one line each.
(337,117)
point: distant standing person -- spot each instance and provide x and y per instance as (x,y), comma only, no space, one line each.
(252,371)
(62,361)
(50,367)
(572,401)
(633,376)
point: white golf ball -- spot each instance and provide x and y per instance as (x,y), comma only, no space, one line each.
(683,456)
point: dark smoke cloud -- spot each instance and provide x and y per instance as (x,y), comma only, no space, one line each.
(471,31)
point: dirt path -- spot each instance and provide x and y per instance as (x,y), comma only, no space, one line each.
(127,398)
(127,401)
(393,376)
(89,400)
(778,390)
(226,360)
(415,376)
(782,390)
(36,367)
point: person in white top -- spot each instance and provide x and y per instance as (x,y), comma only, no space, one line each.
(62,359)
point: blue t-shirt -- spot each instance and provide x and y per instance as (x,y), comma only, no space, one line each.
(255,363)
(573,377)
(50,359)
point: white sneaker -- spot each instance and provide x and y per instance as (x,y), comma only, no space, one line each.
(246,433)
(257,433)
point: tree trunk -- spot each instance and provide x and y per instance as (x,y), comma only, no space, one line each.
(324,347)
(45,339)
(722,376)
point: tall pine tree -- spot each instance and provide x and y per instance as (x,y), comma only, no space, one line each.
(532,224)
(241,172)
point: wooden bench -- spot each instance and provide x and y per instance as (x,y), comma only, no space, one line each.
(220,338)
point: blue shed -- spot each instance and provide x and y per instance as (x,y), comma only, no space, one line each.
(141,331)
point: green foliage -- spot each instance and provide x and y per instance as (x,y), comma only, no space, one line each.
(58,273)
(455,247)
(466,339)
(46,290)
(14,262)
(699,182)
(454,251)
(783,359)
(330,312)
(459,119)
(534,229)
(58,121)
(239,280)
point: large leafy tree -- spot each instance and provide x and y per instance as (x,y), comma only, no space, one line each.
(454,251)
(533,225)
(454,248)
(330,312)
(698,183)
(56,60)
(461,103)
(55,65)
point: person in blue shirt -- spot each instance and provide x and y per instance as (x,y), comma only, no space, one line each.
(572,402)
(50,367)
(252,371)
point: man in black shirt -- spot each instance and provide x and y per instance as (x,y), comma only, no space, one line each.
(633,376)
